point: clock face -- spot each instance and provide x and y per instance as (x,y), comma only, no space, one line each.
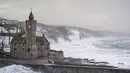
(29,26)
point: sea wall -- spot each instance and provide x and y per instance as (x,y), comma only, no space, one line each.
(76,69)
(54,68)
(81,69)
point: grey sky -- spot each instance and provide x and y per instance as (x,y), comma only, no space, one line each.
(92,14)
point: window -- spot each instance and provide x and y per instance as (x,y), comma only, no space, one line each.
(28,50)
(15,49)
(54,55)
(23,49)
(15,44)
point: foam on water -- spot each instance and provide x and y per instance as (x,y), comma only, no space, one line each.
(16,69)
(85,49)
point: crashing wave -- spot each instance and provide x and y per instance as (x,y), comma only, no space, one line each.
(16,69)
(100,49)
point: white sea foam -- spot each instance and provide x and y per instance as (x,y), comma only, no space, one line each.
(16,69)
(85,49)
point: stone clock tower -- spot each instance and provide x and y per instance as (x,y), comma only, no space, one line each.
(30,46)
(31,30)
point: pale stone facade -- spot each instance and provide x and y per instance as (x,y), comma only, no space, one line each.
(30,46)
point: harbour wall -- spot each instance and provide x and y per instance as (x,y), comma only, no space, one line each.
(52,68)
(57,68)
(83,69)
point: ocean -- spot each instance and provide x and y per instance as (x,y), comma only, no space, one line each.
(111,49)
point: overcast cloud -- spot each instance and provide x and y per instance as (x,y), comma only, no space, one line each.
(93,14)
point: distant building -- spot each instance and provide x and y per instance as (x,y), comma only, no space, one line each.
(56,54)
(29,46)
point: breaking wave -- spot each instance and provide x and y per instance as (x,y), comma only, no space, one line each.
(111,49)
(100,49)
(16,69)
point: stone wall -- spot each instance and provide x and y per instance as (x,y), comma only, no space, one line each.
(82,69)
(56,54)
(23,51)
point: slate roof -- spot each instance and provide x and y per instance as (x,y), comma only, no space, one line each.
(38,40)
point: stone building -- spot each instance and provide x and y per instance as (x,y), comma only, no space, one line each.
(30,46)
(56,54)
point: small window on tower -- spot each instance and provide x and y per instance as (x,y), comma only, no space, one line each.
(15,44)
(15,49)
(23,49)
(28,50)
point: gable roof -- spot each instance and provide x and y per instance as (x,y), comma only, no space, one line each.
(41,40)
(18,39)
(38,40)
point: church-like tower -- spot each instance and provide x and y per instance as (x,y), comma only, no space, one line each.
(30,46)
(31,30)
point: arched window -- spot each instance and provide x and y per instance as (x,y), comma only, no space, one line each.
(28,50)
(15,49)
(23,49)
